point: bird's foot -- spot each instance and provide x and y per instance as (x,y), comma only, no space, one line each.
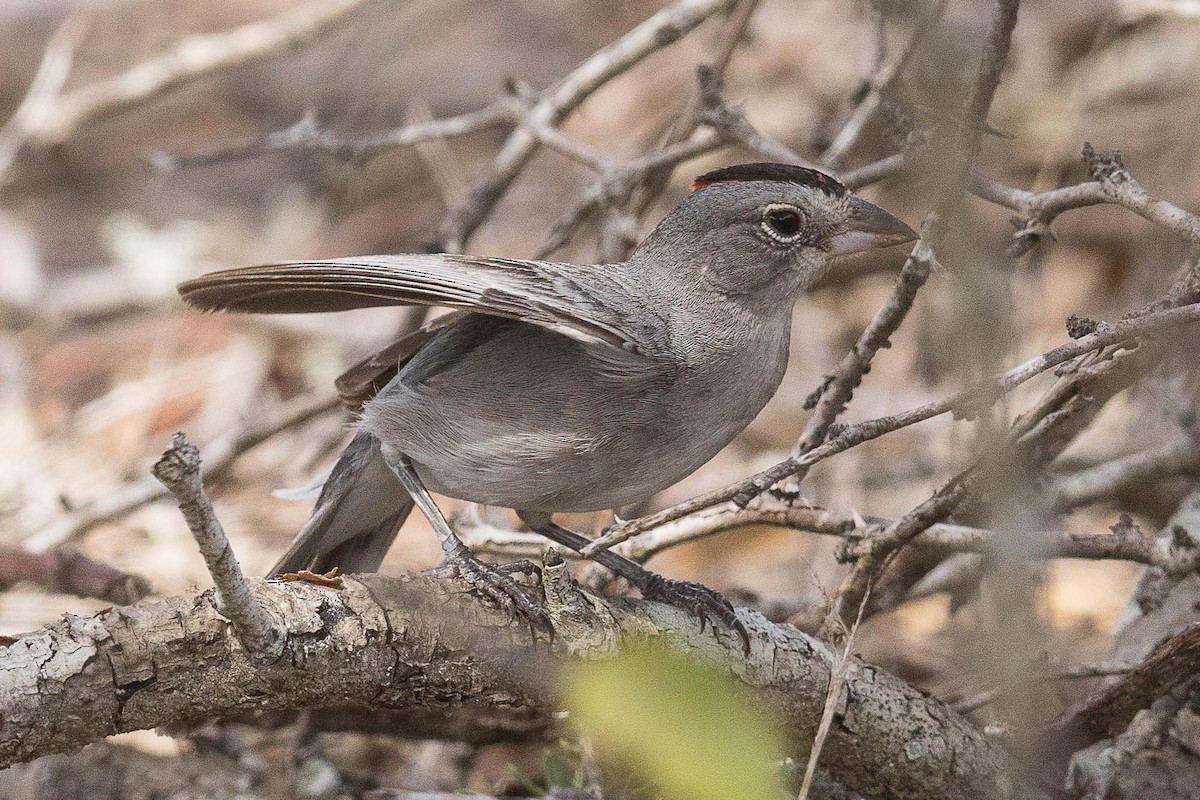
(697,599)
(495,583)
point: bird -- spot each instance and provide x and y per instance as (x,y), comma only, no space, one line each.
(556,387)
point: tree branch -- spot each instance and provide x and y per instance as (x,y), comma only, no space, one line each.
(219,457)
(660,30)
(1174,663)
(383,643)
(968,402)
(1111,183)
(179,471)
(56,117)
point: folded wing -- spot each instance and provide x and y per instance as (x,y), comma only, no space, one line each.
(539,293)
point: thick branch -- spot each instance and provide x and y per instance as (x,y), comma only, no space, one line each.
(454,667)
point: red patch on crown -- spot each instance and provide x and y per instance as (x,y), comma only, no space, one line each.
(698,184)
(785,173)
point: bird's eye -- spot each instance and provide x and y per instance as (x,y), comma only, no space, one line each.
(781,222)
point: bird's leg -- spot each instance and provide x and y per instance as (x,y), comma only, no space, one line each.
(491,581)
(699,600)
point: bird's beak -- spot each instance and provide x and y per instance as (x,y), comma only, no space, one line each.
(869,227)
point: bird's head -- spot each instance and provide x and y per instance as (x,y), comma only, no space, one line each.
(768,230)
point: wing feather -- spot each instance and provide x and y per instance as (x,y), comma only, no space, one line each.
(539,293)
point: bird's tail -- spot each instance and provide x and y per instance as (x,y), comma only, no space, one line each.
(358,513)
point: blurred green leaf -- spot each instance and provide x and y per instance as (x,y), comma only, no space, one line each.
(557,772)
(687,727)
(522,779)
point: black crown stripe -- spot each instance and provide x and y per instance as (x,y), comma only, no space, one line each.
(766,171)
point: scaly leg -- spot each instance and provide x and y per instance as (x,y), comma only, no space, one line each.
(692,597)
(489,580)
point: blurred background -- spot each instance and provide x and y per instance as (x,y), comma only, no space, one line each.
(100,364)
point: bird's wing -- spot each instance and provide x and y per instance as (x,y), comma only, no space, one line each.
(361,382)
(546,294)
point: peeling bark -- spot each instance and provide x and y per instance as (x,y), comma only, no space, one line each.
(454,667)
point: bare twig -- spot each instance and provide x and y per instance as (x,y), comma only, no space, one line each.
(56,117)
(712,72)
(179,471)
(974,702)
(732,123)
(878,86)
(618,182)
(957,576)
(987,80)
(1124,543)
(837,681)
(219,457)
(1100,669)
(873,172)
(38,105)
(1111,183)
(634,199)
(73,573)
(553,106)
(307,135)
(1135,470)
(968,401)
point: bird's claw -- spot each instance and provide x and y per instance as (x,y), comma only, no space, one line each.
(699,600)
(495,583)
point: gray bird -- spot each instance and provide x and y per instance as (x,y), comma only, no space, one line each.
(564,387)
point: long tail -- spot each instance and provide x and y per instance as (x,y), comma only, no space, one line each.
(359,511)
